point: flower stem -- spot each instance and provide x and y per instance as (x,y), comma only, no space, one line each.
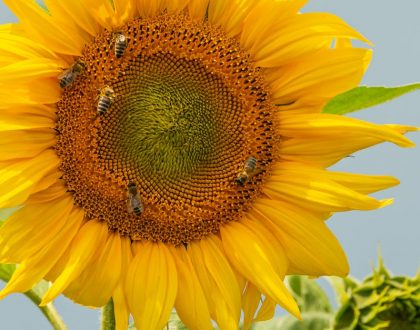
(48,310)
(108,316)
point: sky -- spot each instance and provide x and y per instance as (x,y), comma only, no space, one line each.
(394,28)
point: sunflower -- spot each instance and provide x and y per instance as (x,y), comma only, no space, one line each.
(172,154)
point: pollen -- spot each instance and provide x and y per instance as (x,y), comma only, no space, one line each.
(188,109)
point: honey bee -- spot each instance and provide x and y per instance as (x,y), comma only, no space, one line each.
(248,171)
(134,203)
(106,97)
(121,43)
(70,75)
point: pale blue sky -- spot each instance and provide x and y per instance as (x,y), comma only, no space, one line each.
(394,28)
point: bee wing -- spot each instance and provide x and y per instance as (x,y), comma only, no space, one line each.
(255,171)
(63,74)
(130,208)
(139,201)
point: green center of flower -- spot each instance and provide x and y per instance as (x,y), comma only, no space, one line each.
(176,115)
(169,121)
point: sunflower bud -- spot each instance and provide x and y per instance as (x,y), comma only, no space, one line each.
(381,301)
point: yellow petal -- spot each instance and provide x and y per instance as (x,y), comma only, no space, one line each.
(20,47)
(317,192)
(147,8)
(151,285)
(121,309)
(104,272)
(24,143)
(124,10)
(365,184)
(56,190)
(24,232)
(218,281)
(16,121)
(86,246)
(46,111)
(17,178)
(267,310)
(319,77)
(175,6)
(197,9)
(36,265)
(102,11)
(319,138)
(325,125)
(258,255)
(65,17)
(308,243)
(190,303)
(303,34)
(343,43)
(230,14)
(274,14)
(322,152)
(34,92)
(80,14)
(29,69)
(250,302)
(59,266)
(36,22)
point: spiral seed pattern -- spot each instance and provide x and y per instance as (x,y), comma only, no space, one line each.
(189,108)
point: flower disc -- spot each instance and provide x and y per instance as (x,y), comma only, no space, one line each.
(189,109)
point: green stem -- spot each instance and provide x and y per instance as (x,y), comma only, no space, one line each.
(48,310)
(108,316)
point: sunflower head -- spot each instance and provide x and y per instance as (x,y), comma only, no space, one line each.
(175,122)
(174,153)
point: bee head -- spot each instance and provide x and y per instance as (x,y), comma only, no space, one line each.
(80,65)
(132,187)
(107,91)
(240,180)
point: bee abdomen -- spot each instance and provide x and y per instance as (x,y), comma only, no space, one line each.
(251,162)
(64,82)
(137,206)
(119,50)
(103,104)
(120,45)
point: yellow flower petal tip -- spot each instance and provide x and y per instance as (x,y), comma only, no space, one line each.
(174,153)
(4,293)
(386,202)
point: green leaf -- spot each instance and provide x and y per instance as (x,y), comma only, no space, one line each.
(308,294)
(310,321)
(364,97)
(346,318)
(342,287)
